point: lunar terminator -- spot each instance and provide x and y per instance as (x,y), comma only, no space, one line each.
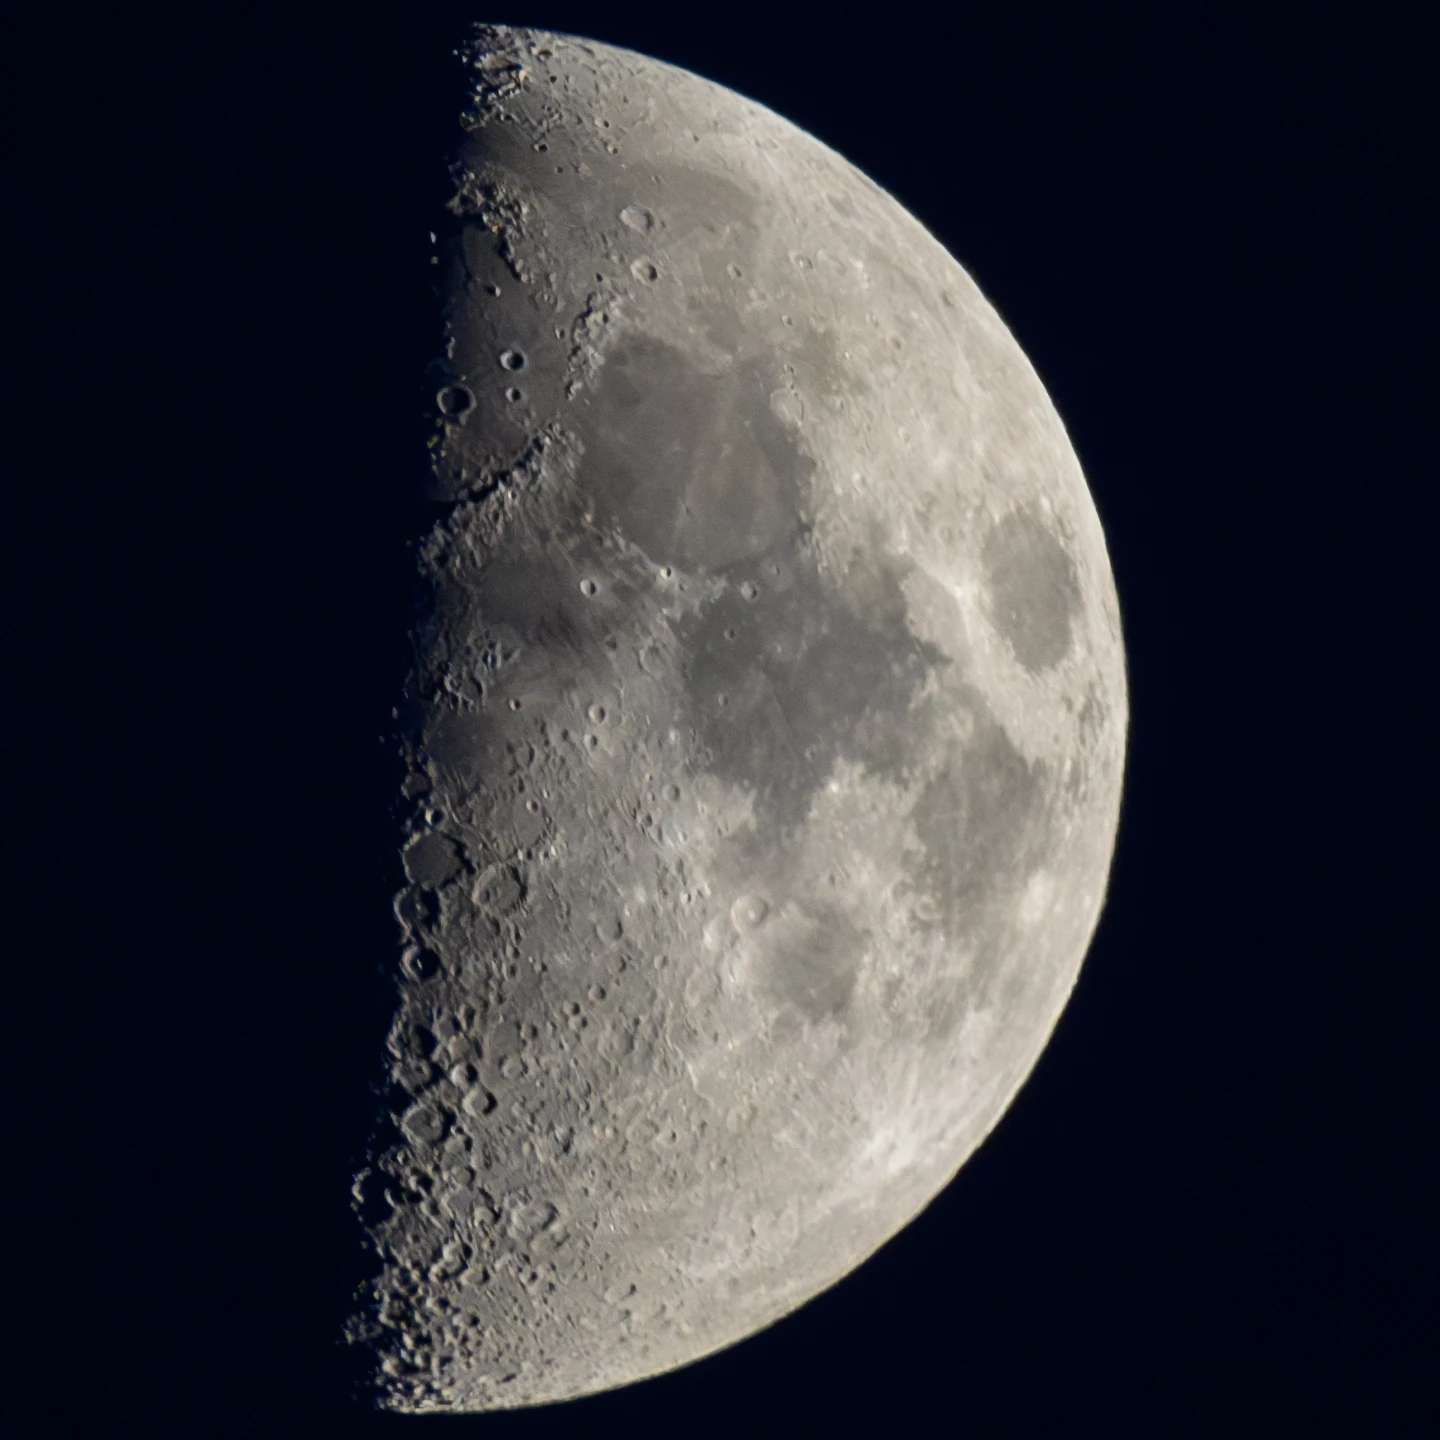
(764,738)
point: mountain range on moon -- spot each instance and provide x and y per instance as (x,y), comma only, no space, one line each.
(764,739)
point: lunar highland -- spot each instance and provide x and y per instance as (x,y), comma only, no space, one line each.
(764,739)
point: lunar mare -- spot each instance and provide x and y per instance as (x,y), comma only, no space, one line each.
(764,736)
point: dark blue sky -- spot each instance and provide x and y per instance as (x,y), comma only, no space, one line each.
(1211,1209)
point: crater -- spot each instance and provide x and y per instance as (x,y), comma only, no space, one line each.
(454,401)
(982,821)
(976,819)
(807,677)
(499,889)
(431,860)
(1033,591)
(810,961)
(695,469)
(419,962)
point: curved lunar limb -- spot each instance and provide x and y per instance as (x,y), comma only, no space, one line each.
(764,737)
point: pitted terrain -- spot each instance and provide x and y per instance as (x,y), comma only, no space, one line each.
(765,737)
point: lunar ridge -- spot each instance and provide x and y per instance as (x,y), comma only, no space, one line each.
(764,739)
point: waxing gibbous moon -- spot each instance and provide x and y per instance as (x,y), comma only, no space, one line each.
(764,738)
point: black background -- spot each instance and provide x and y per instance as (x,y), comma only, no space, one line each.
(1212,1208)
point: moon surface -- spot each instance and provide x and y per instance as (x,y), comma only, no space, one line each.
(764,739)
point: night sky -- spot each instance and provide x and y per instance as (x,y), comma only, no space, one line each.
(1212,1209)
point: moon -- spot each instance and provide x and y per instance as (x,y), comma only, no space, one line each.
(764,739)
